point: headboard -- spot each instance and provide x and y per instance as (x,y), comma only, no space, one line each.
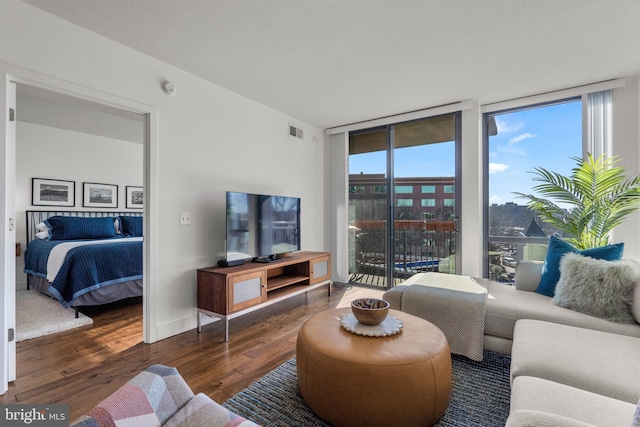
(36,217)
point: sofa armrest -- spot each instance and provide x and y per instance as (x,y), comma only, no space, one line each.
(151,397)
(528,275)
(202,411)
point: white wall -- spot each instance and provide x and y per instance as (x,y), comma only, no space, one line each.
(209,140)
(46,152)
(626,145)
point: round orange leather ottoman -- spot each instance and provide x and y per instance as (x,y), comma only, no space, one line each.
(354,380)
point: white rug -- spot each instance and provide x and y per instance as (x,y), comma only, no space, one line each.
(38,315)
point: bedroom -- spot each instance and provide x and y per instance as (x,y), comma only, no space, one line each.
(63,140)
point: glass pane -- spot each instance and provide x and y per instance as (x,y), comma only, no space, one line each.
(547,137)
(425,163)
(368,207)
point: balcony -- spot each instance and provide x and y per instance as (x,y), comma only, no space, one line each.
(423,246)
(506,251)
(419,246)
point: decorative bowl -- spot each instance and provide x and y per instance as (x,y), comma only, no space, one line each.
(370,311)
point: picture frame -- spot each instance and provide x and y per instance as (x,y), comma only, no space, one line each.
(53,192)
(97,195)
(135,197)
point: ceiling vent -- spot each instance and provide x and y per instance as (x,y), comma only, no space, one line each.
(294,131)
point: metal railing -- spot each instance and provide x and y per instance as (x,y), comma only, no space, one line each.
(419,246)
(506,251)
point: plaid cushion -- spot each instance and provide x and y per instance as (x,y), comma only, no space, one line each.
(636,417)
(149,399)
(202,411)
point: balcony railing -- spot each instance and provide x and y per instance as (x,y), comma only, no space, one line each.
(506,251)
(419,246)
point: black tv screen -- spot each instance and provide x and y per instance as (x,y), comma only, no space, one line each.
(261,226)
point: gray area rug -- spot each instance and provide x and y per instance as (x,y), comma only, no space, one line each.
(38,315)
(479,397)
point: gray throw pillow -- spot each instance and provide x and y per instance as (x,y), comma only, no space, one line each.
(597,287)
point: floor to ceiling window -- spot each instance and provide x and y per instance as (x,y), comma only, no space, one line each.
(545,136)
(403,200)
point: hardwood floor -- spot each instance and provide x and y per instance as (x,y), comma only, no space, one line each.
(83,366)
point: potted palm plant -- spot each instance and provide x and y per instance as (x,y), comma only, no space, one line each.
(587,204)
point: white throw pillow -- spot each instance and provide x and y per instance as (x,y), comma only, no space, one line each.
(635,308)
(597,287)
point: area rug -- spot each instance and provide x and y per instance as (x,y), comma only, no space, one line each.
(38,315)
(479,396)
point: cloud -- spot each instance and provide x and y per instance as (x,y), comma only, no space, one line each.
(495,199)
(497,167)
(504,127)
(512,146)
(520,138)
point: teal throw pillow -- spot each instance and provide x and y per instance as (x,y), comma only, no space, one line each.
(557,248)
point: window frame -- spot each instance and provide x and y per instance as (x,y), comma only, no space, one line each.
(486,121)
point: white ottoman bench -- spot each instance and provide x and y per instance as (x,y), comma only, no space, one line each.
(455,304)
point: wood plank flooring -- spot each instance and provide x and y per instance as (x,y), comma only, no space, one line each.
(83,366)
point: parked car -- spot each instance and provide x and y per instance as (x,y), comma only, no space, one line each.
(508,261)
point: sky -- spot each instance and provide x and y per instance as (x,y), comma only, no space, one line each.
(545,137)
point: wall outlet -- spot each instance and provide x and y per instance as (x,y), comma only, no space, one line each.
(185,218)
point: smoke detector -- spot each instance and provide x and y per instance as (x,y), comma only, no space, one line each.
(169,87)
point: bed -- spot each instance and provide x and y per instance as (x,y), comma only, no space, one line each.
(84,258)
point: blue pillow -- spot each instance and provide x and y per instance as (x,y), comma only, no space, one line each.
(74,228)
(557,248)
(131,225)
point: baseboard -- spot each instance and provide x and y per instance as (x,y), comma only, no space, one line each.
(176,327)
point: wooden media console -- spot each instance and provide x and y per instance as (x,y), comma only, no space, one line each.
(230,292)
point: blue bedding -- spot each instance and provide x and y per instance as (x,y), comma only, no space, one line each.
(85,268)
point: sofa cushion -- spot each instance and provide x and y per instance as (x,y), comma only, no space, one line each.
(528,275)
(557,248)
(202,411)
(525,418)
(148,399)
(597,287)
(575,356)
(565,403)
(506,305)
(636,417)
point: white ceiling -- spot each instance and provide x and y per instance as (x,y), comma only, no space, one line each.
(331,62)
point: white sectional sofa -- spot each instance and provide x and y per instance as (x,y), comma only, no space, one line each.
(507,303)
(568,376)
(568,369)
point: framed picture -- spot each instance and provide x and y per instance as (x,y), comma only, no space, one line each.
(135,197)
(99,195)
(53,192)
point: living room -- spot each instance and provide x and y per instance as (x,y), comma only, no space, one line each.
(207,138)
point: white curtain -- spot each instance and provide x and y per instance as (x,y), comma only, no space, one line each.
(598,124)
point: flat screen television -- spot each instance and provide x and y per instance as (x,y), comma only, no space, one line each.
(260,227)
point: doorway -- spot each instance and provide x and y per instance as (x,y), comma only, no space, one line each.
(404,200)
(85,102)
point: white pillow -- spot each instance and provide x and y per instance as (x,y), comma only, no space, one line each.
(42,234)
(635,307)
(42,227)
(597,287)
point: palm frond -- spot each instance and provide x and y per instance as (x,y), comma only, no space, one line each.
(597,194)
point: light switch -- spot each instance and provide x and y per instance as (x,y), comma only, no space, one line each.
(185,218)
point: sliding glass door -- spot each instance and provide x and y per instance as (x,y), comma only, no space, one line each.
(404,200)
